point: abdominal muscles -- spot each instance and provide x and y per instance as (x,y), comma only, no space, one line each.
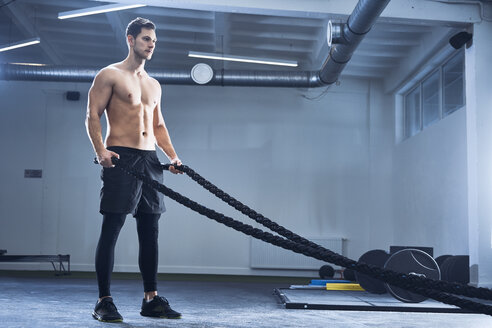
(129,126)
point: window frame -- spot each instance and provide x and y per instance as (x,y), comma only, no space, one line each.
(459,53)
(420,86)
(440,95)
(406,134)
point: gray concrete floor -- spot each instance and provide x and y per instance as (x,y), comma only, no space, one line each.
(68,302)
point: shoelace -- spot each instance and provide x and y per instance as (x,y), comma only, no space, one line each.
(162,300)
(109,306)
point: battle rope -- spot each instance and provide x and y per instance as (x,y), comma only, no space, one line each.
(432,288)
(450,287)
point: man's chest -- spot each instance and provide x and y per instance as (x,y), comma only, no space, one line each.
(136,92)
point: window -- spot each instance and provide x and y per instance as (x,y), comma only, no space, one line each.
(437,95)
(453,85)
(412,113)
(431,99)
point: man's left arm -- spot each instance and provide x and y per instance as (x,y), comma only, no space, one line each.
(162,137)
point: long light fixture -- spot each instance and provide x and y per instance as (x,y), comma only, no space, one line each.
(243,59)
(96,10)
(20,44)
(28,64)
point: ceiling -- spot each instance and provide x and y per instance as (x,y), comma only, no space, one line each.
(99,40)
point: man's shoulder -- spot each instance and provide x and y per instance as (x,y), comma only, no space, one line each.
(110,70)
(109,74)
(153,81)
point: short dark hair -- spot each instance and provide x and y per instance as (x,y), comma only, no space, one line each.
(135,26)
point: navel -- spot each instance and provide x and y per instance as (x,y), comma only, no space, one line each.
(144,134)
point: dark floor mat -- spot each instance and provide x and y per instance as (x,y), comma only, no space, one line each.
(356,301)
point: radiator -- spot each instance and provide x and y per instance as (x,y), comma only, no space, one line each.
(267,256)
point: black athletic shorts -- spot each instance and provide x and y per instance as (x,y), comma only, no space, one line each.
(123,193)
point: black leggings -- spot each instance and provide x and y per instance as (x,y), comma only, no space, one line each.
(148,231)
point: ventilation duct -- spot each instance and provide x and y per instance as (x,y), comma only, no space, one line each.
(358,24)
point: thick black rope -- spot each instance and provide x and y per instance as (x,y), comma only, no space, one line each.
(405,281)
(449,287)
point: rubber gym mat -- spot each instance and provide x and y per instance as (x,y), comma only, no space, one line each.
(310,299)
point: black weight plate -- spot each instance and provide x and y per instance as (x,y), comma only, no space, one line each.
(457,269)
(411,261)
(378,258)
(349,274)
(326,272)
(440,261)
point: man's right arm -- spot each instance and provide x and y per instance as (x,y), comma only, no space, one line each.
(99,96)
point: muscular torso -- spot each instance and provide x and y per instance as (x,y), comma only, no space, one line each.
(130,110)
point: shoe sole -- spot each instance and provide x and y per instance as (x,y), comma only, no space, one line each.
(159,316)
(95,316)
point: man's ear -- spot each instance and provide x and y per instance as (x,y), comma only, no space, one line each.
(130,39)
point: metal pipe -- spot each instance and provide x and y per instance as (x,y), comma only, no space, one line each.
(358,24)
(303,79)
(46,73)
(291,79)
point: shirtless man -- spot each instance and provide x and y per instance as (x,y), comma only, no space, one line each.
(131,99)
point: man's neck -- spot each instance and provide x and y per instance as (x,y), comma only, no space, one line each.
(134,65)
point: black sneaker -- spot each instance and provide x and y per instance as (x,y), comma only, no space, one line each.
(106,311)
(158,308)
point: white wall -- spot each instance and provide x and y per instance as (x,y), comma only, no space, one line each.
(303,163)
(382,130)
(419,187)
(430,187)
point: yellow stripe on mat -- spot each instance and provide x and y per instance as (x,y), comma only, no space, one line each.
(336,286)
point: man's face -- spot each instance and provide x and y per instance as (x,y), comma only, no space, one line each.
(144,43)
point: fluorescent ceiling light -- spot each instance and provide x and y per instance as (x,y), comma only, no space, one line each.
(266,61)
(28,64)
(96,10)
(19,44)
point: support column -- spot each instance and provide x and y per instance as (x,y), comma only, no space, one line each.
(479,142)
